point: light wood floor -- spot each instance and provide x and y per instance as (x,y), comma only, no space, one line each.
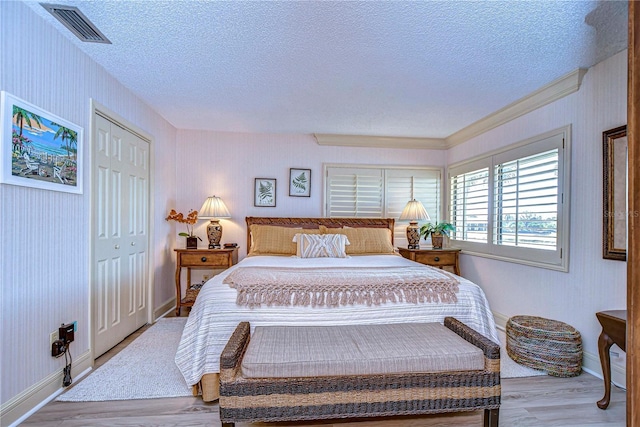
(526,402)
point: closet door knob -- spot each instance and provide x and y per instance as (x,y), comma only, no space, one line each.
(117,246)
(133,243)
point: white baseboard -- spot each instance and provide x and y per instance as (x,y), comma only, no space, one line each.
(591,364)
(22,406)
(164,309)
(501,320)
(590,361)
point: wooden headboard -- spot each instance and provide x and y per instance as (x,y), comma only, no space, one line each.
(317,222)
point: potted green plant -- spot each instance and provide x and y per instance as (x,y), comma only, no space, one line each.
(436,231)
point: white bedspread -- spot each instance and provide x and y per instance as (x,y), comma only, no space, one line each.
(215,314)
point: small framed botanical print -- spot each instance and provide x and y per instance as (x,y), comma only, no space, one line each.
(299,182)
(264,192)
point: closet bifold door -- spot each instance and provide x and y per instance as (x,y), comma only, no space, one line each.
(120,233)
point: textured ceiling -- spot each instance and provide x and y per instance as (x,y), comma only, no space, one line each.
(393,68)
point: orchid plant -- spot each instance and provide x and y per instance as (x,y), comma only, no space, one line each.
(189,221)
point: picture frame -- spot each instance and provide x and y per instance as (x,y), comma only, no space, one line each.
(615,210)
(39,149)
(264,192)
(299,182)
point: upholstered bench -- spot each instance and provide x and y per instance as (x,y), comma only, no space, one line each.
(324,372)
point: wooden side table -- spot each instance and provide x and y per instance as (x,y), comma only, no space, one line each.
(614,331)
(200,259)
(435,257)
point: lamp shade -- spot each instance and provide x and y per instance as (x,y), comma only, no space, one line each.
(212,208)
(414,211)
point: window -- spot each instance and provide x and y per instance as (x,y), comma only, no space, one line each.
(382,192)
(513,204)
(470,205)
(526,202)
(355,192)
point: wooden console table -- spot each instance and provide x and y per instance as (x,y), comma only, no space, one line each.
(614,329)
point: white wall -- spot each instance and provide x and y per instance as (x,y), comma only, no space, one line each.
(225,164)
(44,252)
(592,283)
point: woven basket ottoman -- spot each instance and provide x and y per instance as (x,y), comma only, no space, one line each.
(546,345)
(470,382)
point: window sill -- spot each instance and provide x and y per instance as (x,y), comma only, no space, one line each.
(564,268)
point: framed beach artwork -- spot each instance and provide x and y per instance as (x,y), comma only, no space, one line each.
(300,182)
(39,149)
(264,192)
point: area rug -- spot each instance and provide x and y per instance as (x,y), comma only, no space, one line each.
(145,369)
(509,368)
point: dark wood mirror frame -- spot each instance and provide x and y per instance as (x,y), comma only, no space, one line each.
(614,212)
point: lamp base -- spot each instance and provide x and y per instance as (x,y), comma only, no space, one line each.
(413,235)
(214,234)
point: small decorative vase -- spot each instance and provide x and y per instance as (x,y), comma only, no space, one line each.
(413,235)
(214,233)
(192,242)
(436,241)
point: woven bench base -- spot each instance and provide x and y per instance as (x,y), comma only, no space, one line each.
(313,398)
(544,344)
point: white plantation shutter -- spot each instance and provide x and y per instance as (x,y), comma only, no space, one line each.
(404,184)
(470,205)
(526,202)
(354,192)
(382,192)
(513,205)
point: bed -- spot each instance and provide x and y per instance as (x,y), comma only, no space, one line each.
(219,307)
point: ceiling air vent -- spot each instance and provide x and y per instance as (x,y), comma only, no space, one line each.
(76,22)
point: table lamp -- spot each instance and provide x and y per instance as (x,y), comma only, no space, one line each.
(214,209)
(414,211)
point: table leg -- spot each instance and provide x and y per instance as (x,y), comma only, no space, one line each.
(178,290)
(604,344)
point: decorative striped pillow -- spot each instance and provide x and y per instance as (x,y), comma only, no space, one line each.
(321,245)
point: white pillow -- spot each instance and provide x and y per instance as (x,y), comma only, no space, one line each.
(321,245)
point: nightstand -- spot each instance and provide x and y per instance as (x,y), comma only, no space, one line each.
(435,257)
(200,259)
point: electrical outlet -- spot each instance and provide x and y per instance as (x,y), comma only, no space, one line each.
(58,348)
(53,336)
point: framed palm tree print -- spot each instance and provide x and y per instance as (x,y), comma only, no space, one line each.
(264,192)
(300,182)
(39,149)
